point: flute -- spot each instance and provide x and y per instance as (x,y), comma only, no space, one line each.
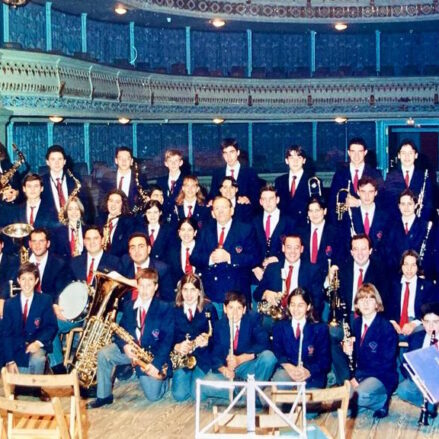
(299,358)
(231,352)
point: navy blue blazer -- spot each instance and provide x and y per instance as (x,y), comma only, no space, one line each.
(248,184)
(8,271)
(295,207)
(316,356)
(395,184)
(340,180)
(124,228)
(169,198)
(78,265)
(44,217)
(166,288)
(221,278)
(158,335)
(309,279)
(200,214)
(425,293)
(165,235)
(253,338)
(174,262)
(40,325)
(273,247)
(197,326)
(376,356)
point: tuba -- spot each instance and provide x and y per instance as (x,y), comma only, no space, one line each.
(340,206)
(98,332)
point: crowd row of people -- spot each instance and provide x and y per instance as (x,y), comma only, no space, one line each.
(244,246)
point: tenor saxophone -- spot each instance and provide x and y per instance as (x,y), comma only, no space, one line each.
(144,198)
(62,214)
(6,177)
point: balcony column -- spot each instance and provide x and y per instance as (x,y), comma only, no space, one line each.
(190,145)
(314,141)
(5,10)
(84,32)
(313,52)
(133,50)
(378,51)
(49,133)
(249,53)
(48,26)
(135,144)
(10,139)
(250,144)
(4,120)
(87,157)
(188,50)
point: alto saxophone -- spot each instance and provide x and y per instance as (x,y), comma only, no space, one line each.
(143,357)
(106,233)
(62,217)
(6,177)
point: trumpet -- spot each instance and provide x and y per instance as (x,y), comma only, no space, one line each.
(334,297)
(340,206)
(314,187)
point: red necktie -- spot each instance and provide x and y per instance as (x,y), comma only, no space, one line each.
(190,316)
(314,247)
(151,237)
(25,312)
(189,211)
(187,265)
(38,287)
(110,231)
(287,287)
(407,179)
(171,190)
(356,181)
(73,242)
(235,339)
(232,174)
(142,321)
(120,183)
(366,224)
(90,272)
(297,335)
(360,279)
(267,227)
(363,334)
(293,186)
(221,237)
(62,200)
(31,216)
(405,306)
(406,228)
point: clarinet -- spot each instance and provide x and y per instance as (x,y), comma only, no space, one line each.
(423,417)
(420,203)
(346,336)
(424,242)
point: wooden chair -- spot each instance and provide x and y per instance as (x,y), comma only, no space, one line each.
(321,396)
(55,385)
(70,337)
(32,419)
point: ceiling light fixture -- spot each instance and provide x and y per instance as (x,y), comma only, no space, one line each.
(218,120)
(340,119)
(56,119)
(410,121)
(15,3)
(217,22)
(120,10)
(124,120)
(341,26)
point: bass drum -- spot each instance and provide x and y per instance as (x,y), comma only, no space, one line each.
(74,301)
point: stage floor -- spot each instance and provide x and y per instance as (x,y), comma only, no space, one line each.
(132,417)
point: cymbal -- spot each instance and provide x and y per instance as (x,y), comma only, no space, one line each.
(17,230)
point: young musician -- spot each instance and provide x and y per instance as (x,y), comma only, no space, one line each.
(373,347)
(150,324)
(229,189)
(194,317)
(301,346)
(240,347)
(29,325)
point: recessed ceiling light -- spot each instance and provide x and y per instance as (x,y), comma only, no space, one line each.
(341,26)
(410,121)
(123,120)
(56,119)
(120,10)
(168,19)
(218,120)
(218,22)
(340,119)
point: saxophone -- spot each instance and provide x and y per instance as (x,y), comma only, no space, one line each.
(143,357)
(189,361)
(106,233)
(62,214)
(144,198)
(6,177)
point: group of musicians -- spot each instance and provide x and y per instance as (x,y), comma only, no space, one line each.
(249,278)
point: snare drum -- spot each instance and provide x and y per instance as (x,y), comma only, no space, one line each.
(74,301)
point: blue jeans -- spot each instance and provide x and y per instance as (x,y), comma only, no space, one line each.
(262,367)
(64,326)
(408,391)
(184,383)
(111,356)
(37,362)
(370,394)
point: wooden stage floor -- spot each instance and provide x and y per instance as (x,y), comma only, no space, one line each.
(132,417)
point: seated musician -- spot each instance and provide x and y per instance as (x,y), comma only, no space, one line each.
(240,347)
(194,316)
(373,349)
(301,345)
(29,325)
(429,335)
(149,323)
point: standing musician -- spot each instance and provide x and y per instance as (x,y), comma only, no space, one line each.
(240,347)
(301,345)
(242,211)
(148,325)
(194,317)
(407,389)
(373,347)
(409,176)
(116,222)
(293,187)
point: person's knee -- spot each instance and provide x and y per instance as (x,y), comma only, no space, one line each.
(267,358)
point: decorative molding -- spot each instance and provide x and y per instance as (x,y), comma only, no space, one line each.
(34,84)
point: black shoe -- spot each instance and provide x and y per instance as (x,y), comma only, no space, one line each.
(381,413)
(59,369)
(44,396)
(124,372)
(100,402)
